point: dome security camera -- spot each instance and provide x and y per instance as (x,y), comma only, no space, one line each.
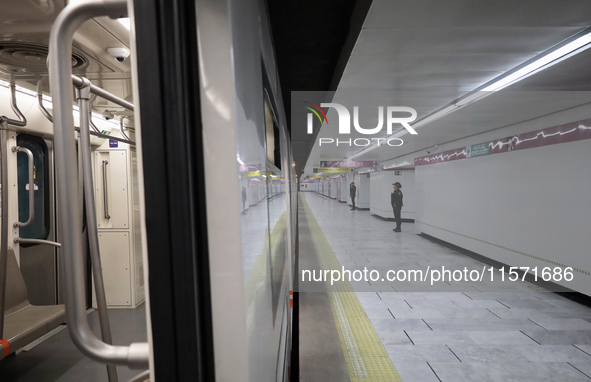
(108,115)
(433,149)
(120,54)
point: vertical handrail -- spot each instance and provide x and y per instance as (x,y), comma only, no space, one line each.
(83,95)
(31,161)
(90,103)
(122,129)
(4,122)
(60,52)
(105,191)
(4,221)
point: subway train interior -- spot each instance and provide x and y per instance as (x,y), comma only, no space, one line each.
(331,190)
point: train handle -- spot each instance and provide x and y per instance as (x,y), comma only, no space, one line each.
(67,22)
(105,191)
(31,161)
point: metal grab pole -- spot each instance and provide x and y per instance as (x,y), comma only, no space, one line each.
(60,52)
(95,255)
(122,129)
(105,191)
(96,131)
(31,160)
(22,121)
(78,82)
(40,100)
(20,240)
(142,377)
(4,231)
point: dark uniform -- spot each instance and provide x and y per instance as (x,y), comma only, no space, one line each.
(353,191)
(396,199)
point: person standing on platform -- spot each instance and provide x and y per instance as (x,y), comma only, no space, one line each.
(396,199)
(352,192)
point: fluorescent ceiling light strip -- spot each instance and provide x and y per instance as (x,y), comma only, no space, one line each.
(541,62)
(545,61)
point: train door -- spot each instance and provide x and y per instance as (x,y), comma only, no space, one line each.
(38,262)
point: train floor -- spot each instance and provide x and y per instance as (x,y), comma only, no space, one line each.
(58,360)
(349,332)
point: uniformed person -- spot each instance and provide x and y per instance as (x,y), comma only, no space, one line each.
(352,192)
(396,199)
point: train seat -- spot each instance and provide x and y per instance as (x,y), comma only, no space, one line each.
(24,322)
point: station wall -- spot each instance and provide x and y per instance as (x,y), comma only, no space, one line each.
(363,191)
(523,208)
(333,188)
(345,182)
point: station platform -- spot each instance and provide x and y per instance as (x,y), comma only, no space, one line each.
(525,333)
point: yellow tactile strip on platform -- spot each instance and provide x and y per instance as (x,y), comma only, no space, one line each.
(366,358)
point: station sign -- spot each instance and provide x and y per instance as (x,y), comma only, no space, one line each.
(248,168)
(478,150)
(317,176)
(331,170)
(251,174)
(349,164)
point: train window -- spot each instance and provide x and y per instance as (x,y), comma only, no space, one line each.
(272,134)
(39,228)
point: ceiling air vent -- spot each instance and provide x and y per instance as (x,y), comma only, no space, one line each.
(31,58)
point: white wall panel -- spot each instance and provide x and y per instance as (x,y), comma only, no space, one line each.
(381,188)
(115,252)
(333,188)
(363,191)
(523,208)
(117,189)
(345,190)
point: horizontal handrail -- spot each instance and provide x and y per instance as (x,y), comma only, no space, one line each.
(31,160)
(79,82)
(96,131)
(21,240)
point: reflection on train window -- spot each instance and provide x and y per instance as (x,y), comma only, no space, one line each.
(272,134)
(39,227)
(276,202)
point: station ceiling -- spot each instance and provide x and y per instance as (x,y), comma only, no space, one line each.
(427,53)
(313,41)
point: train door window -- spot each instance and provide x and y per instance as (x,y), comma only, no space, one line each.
(39,227)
